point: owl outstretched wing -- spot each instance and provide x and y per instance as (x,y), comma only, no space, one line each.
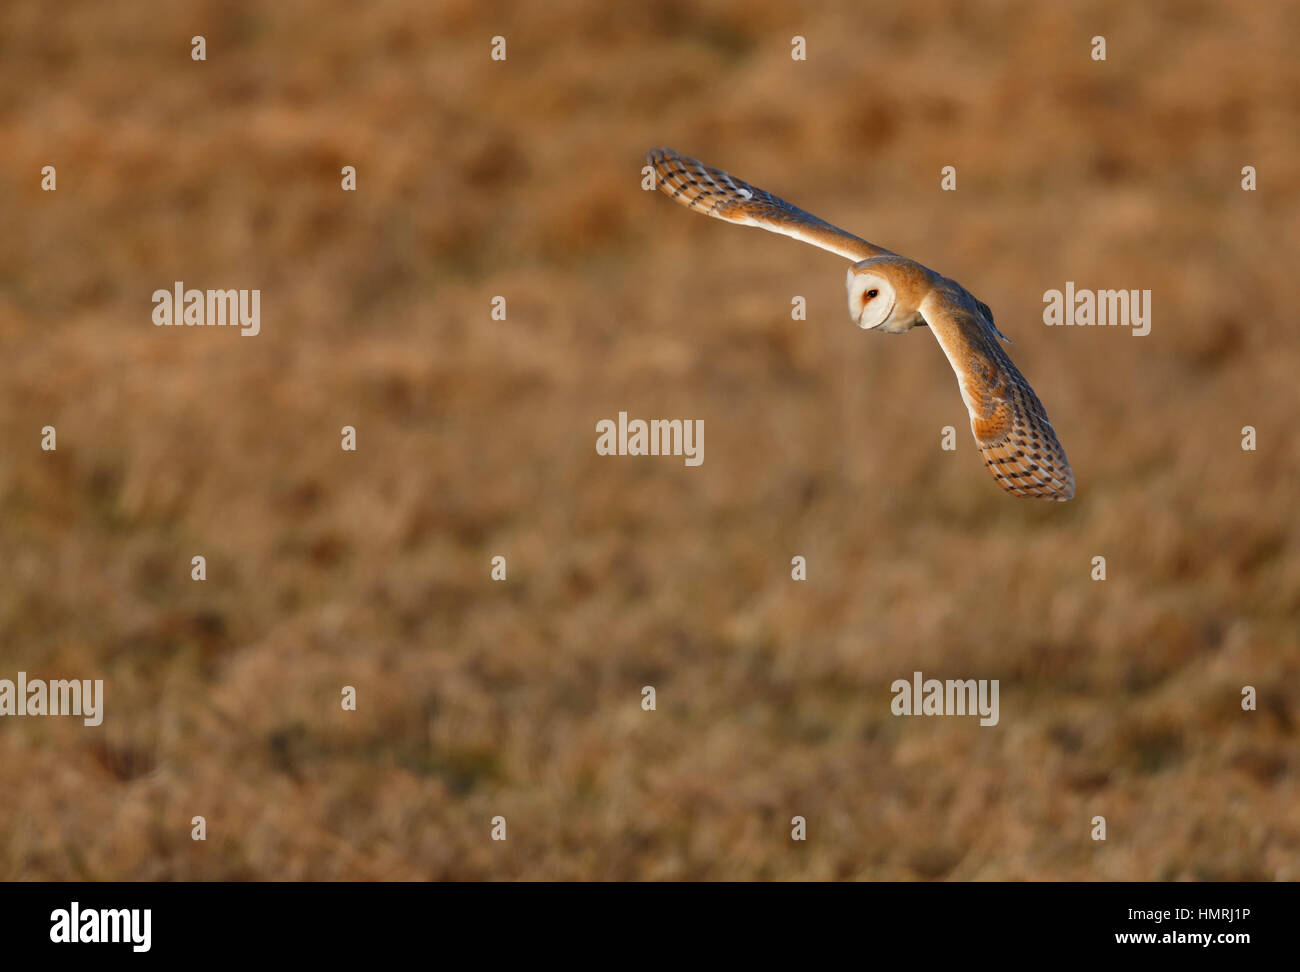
(722,196)
(1008,421)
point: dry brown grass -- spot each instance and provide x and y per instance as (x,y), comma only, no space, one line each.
(477,438)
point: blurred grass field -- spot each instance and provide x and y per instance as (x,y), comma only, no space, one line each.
(476,438)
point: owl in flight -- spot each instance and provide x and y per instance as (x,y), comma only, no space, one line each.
(891,293)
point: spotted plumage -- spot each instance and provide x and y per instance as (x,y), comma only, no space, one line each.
(893,294)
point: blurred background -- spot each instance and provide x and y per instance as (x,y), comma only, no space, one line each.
(476,438)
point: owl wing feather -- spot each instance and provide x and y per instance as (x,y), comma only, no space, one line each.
(722,196)
(1010,425)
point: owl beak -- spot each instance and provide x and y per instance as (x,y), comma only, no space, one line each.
(855,313)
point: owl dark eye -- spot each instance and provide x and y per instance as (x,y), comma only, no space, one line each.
(872,293)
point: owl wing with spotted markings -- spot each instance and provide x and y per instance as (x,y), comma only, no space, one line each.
(722,196)
(1008,421)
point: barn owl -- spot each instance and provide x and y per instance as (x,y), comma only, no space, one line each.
(891,293)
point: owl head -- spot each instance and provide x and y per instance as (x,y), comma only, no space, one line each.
(885,293)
